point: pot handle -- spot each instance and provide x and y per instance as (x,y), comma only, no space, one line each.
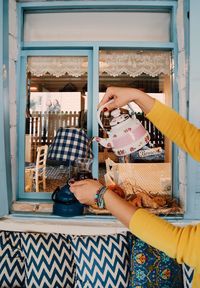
(99,112)
(53,196)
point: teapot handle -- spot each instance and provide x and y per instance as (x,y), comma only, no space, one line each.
(99,112)
(130,105)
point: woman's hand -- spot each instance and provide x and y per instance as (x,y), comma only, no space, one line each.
(122,96)
(85,190)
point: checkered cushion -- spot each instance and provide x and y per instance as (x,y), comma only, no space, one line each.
(152,268)
(49,260)
(101,261)
(69,144)
(12,273)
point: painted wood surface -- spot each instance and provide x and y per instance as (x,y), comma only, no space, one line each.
(3,103)
(193,169)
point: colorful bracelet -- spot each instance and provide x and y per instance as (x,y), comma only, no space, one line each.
(99,201)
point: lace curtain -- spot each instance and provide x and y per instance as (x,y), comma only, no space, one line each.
(114,63)
(134,63)
(57,65)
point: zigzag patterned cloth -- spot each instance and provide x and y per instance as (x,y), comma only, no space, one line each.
(12,263)
(49,261)
(36,260)
(101,261)
(187,276)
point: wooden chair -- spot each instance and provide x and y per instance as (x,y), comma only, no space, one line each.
(39,170)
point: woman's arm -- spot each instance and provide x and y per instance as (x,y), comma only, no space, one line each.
(116,205)
(167,120)
(181,243)
(85,191)
(176,128)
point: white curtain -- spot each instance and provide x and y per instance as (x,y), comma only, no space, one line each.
(114,63)
(134,63)
(57,66)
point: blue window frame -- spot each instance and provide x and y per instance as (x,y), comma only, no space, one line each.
(22,105)
(92,51)
(5,191)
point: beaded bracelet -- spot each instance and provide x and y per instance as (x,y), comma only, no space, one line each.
(99,201)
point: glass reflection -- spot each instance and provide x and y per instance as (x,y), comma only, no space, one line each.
(53,103)
(134,69)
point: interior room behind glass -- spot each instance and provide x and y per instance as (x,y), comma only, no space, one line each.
(61,100)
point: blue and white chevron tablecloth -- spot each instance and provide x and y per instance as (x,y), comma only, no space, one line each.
(39,260)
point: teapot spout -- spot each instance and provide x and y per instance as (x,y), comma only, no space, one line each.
(105,142)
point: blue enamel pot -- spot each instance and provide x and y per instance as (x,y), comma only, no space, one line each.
(65,203)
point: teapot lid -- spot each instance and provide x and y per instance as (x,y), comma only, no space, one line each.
(117,117)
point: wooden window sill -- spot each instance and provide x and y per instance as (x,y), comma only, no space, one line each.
(37,217)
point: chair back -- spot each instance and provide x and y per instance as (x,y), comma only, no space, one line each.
(40,167)
(41,157)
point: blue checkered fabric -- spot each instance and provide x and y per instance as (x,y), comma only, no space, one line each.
(49,260)
(69,144)
(101,261)
(12,262)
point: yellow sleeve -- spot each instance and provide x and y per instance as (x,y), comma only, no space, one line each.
(196,280)
(176,128)
(181,243)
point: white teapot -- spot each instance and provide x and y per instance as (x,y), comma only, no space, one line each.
(127,134)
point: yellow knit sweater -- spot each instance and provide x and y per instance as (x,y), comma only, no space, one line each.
(182,243)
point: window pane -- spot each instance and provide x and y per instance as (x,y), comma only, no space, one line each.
(96,26)
(151,165)
(55,100)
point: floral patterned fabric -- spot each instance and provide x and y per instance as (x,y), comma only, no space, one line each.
(151,268)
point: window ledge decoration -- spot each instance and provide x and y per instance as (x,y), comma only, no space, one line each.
(114,63)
